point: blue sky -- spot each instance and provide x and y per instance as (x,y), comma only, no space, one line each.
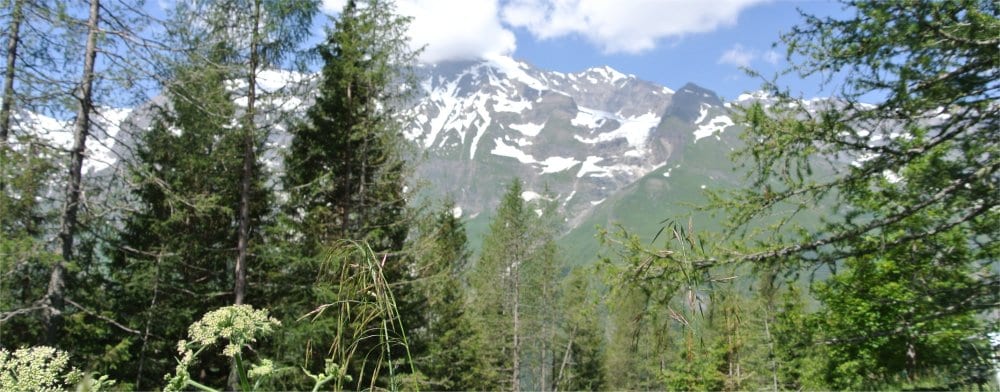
(711,59)
(670,42)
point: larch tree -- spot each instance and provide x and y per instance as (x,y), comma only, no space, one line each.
(916,210)
(496,282)
(64,73)
(912,184)
(54,300)
(514,290)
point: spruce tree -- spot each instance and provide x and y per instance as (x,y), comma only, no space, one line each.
(446,350)
(175,250)
(345,173)
(24,224)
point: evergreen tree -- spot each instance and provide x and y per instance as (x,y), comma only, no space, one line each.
(446,349)
(914,222)
(344,170)
(345,173)
(911,192)
(24,224)
(175,249)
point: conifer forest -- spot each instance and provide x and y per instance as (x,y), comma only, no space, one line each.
(264,225)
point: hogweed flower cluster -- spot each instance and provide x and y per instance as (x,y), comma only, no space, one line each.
(39,368)
(238,324)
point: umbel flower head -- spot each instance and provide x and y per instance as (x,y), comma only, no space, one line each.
(238,324)
(40,368)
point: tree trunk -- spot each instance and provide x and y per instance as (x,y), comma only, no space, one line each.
(249,133)
(246,180)
(565,361)
(54,301)
(7,101)
(17,15)
(516,352)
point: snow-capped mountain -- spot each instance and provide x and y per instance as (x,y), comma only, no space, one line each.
(584,135)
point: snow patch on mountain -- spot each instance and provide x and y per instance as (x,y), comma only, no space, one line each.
(504,150)
(590,118)
(590,166)
(529,129)
(501,104)
(529,195)
(272,80)
(557,164)
(98,152)
(702,113)
(716,124)
(634,129)
(609,74)
(475,144)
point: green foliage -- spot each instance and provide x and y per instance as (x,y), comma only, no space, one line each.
(515,292)
(344,169)
(892,318)
(24,224)
(367,338)
(579,352)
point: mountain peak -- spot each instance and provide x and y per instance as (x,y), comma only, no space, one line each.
(689,100)
(607,73)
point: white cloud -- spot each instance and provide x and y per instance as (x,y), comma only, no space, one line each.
(457,29)
(622,26)
(772,57)
(451,29)
(332,7)
(739,56)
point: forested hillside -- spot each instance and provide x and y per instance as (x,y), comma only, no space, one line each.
(203,201)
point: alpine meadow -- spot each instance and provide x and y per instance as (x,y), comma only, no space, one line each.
(255,195)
